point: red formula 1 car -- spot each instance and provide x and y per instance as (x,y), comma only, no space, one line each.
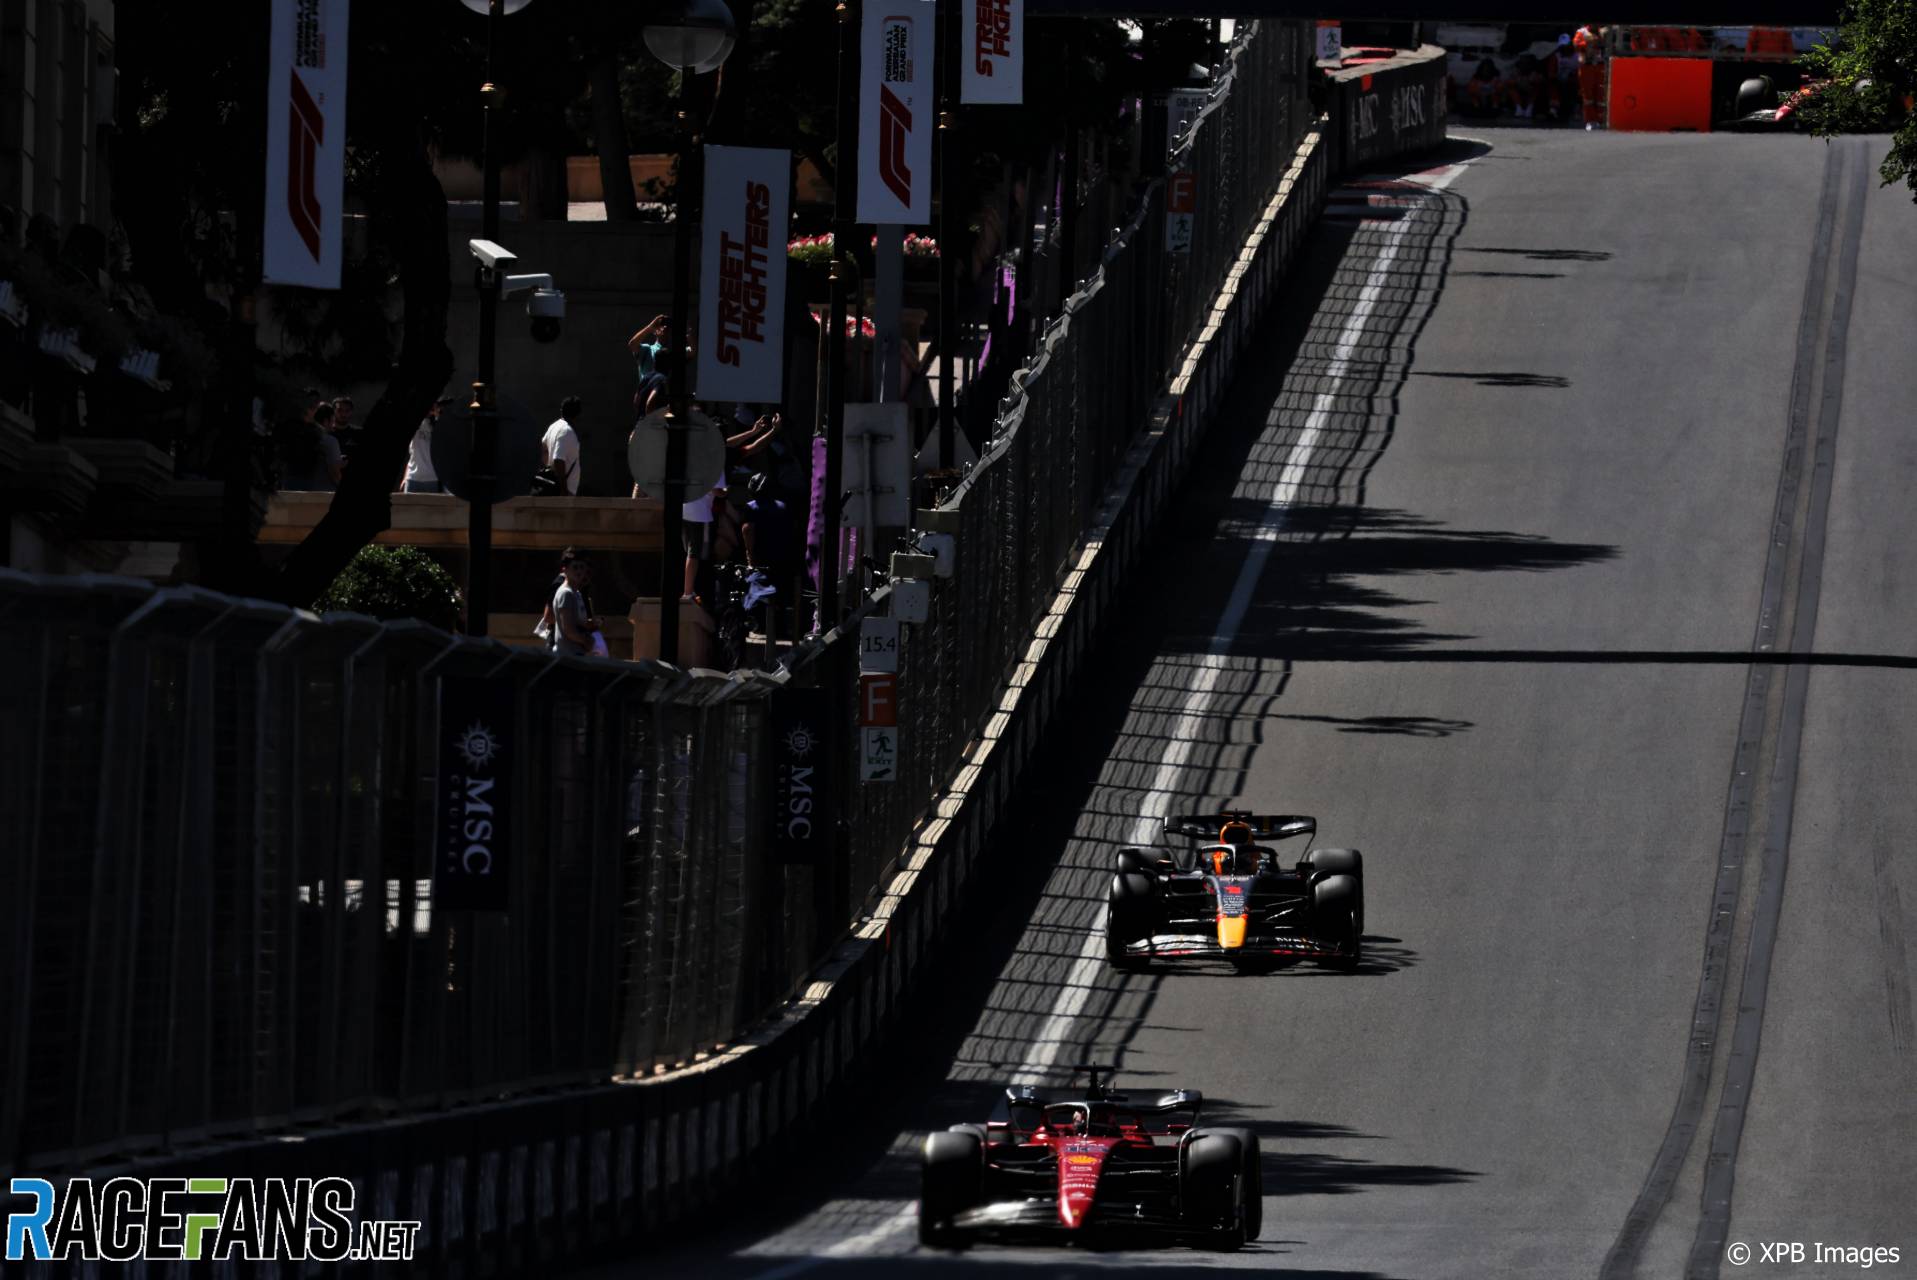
(1093,1165)
(1230,896)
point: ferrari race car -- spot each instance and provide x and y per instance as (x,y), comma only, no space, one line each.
(1094,1165)
(1228,895)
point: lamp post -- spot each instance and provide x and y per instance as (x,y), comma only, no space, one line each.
(690,36)
(485,405)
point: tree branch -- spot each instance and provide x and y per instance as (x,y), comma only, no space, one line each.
(362,508)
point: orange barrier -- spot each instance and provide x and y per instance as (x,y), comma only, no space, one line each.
(1650,94)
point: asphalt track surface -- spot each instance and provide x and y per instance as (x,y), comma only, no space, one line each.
(1576,476)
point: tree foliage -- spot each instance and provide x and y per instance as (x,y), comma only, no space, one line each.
(389,583)
(1872,66)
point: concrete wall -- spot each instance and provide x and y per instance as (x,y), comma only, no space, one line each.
(616,276)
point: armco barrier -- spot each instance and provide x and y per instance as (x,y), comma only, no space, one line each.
(515,1187)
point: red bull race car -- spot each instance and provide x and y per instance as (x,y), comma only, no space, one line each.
(1092,1166)
(1226,894)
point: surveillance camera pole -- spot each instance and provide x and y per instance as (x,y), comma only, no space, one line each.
(484,407)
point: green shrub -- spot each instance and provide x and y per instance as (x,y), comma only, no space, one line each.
(395,582)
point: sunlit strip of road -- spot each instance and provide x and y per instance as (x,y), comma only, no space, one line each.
(1042,1057)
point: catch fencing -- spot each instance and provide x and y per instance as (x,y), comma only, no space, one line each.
(218,888)
(1075,409)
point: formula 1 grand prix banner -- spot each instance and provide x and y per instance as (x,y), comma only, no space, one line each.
(993,32)
(305,143)
(897,112)
(742,274)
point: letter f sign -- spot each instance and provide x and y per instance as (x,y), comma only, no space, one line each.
(22,1227)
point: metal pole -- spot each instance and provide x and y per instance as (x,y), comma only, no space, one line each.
(671,555)
(949,38)
(479,506)
(843,210)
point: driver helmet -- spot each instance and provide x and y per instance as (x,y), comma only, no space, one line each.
(1234,853)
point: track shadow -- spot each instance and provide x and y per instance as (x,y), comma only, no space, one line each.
(1545,255)
(1547,380)
(1322,596)
(1408,726)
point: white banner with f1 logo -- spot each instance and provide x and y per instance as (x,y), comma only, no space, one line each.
(742,274)
(896,112)
(995,67)
(305,143)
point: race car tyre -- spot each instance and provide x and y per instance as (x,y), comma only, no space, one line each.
(1135,860)
(1253,1174)
(1130,905)
(1338,916)
(951,1177)
(1211,1191)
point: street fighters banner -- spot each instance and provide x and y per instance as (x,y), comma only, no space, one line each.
(801,778)
(305,143)
(995,67)
(897,112)
(742,274)
(473,810)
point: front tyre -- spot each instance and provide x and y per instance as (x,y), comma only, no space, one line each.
(951,1177)
(1212,1190)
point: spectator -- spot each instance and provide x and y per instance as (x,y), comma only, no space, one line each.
(572,621)
(646,345)
(697,533)
(655,392)
(333,461)
(345,430)
(771,542)
(559,449)
(420,476)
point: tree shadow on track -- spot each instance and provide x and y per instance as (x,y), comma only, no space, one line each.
(1319,597)
(1292,1172)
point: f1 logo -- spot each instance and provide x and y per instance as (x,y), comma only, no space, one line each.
(307,128)
(895,126)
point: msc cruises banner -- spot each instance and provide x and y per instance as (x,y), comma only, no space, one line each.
(742,274)
(995,67)
(896,112)
(305,142)
(471,851)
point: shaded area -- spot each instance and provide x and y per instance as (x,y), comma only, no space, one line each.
(1544,255)
(1312,602)
(1550,380)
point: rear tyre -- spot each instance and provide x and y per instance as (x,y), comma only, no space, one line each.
(951,1178)
(1130,910)
(1212,1189)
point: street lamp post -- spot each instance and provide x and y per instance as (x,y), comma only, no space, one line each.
(692,36)
(485,405)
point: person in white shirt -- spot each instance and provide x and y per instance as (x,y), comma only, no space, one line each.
(420,476)
(559,448)
(696,531)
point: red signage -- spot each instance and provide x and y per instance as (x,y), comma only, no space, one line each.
(1181,193)
(879,699)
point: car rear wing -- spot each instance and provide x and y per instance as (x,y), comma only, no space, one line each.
(1264,826)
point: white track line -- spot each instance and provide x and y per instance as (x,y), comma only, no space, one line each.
(1153,809)
(1155,806)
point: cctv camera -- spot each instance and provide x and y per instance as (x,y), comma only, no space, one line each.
(546,308)
(492,256)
